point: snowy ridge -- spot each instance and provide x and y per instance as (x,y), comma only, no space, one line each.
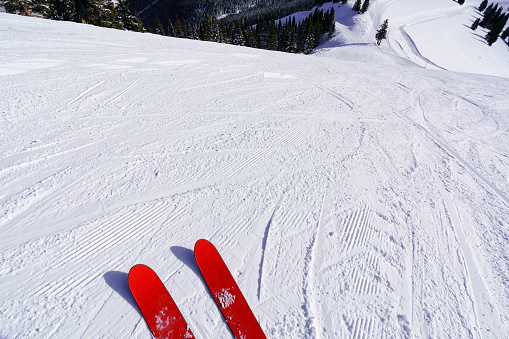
(356,195)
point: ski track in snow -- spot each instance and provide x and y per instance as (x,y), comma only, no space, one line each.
(349,199)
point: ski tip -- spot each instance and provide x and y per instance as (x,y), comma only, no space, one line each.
(137,271)
(203,245)
(137,268)
(202,242)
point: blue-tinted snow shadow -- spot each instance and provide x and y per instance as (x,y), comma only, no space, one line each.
(187,257)
(479,38)
(119,283)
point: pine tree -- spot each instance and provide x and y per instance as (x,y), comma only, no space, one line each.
(214,30)
(263,35)
(483,5)
(238,35)
(488,15)
(332,24)
(61,10)
(193,33)
(309,43)
(189,31)
(283,41)
(125,19)
(490,8)
(317,27)
(491,37)
(184,33)
(138,23)
(107,14)
(496,29)
(248,34)
(13,7)
(301,36)
(497,15)
(159,27)
(382,32)
(461,2)
(293,43)
(179,29)
(223,36)
(149,28)
(206,29)
(365,6)
(171,29)
(272,36)
(475,24)
(27,7)
(357,6)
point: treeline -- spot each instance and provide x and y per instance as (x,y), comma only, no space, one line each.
(195,11)
(494,20)
(286,36)
(112,14)
(257,28)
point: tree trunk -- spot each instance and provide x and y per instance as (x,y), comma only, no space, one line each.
(25,9)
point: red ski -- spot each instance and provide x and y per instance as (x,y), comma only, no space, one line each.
(157,306)
(225,291)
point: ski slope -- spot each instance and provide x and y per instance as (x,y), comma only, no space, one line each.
(435,34)
(350,197)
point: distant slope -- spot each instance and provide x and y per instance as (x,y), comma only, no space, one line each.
(434,34)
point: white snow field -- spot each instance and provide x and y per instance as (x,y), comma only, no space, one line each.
(353,194)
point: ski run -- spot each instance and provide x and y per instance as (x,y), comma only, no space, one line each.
(360,192)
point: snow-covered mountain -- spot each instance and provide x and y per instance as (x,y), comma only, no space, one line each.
(353,193)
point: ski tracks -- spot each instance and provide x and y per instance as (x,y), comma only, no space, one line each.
(404,41)
(363,279)
(252,158)
(264,246)
(448,231)
(61,262)
(359,270)
(350,262)
(101,96)
(313,325)
(291,230)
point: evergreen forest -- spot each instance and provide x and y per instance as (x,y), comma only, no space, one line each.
(252,23)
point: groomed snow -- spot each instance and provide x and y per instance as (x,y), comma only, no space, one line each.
(435,34)
(357,198)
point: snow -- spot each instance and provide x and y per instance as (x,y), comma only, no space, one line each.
(164,321)
(435,34)
(352,193)
(226,299)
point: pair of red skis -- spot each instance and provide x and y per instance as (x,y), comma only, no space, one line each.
(162,314)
